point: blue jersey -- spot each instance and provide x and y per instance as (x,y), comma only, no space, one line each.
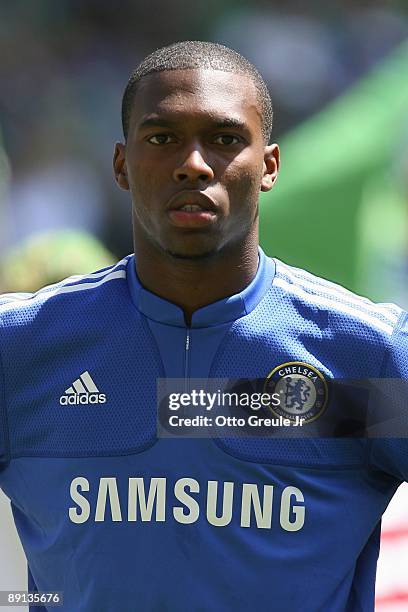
(118,519)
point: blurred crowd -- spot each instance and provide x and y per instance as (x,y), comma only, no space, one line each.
(65,64)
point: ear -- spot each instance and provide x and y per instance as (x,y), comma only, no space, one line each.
(271,167)
(119,166)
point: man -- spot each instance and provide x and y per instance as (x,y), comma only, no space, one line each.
(118,519)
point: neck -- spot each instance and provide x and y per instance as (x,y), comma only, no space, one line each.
(194,283)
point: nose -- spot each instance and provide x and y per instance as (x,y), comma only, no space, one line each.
(193,168)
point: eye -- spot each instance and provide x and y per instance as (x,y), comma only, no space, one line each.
(227,140)
(160,139)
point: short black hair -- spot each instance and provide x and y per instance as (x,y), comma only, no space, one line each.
(191,54)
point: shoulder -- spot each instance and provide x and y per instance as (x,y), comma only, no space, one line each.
(20,309)
(345,308)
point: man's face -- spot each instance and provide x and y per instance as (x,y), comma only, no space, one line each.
(195,161)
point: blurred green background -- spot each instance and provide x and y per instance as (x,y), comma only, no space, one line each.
(341,206)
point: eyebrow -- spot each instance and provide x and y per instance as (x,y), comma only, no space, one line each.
(225,123)
(153,122)
(230,122)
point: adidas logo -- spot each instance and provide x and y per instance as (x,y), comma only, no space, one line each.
(82,391)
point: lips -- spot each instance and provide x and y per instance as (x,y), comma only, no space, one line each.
(192,199)
(192,210)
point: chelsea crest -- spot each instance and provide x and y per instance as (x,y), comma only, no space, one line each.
(302,390)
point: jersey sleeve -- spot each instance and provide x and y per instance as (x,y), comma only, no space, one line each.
(391,454)
(4,458)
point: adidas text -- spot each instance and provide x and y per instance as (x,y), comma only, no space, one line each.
(83,398)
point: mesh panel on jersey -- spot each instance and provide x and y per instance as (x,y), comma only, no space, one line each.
(285,328)
(396,364)
(98,331)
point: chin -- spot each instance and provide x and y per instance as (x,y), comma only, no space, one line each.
(191,250)
(192,247)
(191,256)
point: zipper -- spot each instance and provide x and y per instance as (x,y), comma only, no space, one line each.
(187,359)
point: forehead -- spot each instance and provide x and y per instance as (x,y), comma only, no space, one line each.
(197,94)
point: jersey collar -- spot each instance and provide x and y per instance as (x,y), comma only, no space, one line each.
(223,311)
